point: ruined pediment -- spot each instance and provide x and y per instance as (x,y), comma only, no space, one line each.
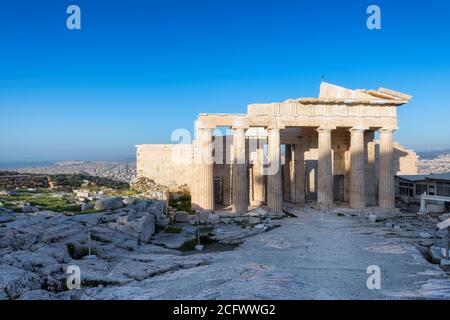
(331,91)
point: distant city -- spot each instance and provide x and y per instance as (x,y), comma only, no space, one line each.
(117,170)
(125,170)
(434,162)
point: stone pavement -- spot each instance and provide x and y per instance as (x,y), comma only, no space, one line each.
(312,256)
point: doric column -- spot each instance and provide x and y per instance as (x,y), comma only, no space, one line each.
(325,172)
(386,191)
(240,174)
(258,173)
(370,177)
(287,173)
(357,168)
(347,175)
(274,186)
(298,187)
(205,190)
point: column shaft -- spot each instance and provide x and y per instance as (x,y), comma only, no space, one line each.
(274,186)
(205,190)
(298,187)
(357,168)
(287,173)
(240,174)
(370,177)
(386,191)
(325,173)
(258,174)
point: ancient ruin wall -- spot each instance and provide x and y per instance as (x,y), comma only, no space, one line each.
(166,164)
(407,160)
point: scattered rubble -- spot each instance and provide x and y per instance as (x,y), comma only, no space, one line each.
(150,188)
(114,240)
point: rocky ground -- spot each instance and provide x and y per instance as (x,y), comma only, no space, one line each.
(136,249)
(119,241)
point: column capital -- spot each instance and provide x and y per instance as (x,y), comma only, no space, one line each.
(326,128)
(388,129)
(206,129)
(359,128)
(239,127)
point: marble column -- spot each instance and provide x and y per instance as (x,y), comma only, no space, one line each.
(357,168)
(205,190)
(287,173)
(258,173)
(370,177)
(325,172)
(274,185)
(240,174)
(386,189)
(347,175)
(298,164)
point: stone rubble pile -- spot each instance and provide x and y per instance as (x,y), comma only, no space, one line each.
(151,189)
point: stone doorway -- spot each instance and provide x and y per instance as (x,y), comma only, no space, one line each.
(338,187)
(311,179)
(218,190)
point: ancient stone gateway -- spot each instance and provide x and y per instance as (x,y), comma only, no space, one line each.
(308,149)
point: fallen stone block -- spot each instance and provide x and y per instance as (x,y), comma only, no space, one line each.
(445,262)
(434,208)
(181,216)
(83,194)
(109,203)
(128,201)
(157,208)
(144,227)
(214,218)
(437,254)
(163,222)
(444,224)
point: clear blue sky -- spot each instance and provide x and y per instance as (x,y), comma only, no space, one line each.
(139,69)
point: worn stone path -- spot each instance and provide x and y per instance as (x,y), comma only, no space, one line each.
(311,256)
